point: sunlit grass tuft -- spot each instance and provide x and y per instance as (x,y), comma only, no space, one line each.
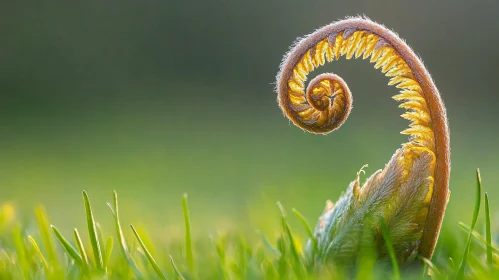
(41,253)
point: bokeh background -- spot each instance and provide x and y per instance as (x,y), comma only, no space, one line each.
(159,98)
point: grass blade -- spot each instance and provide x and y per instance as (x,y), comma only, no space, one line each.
(69,249)
(109,250)
(102,245)
(366,258)
(287,230)
(81,248)
(188,239)
(433,270)
(121,238)
(298,267)
(92,233)
(39,252)
(282,264)
(477,235)
(148,255)
(119,231)
(48,242)
(488,234)
(425,269)
(21,251)
(268,245)
(389,247)
(307,227)
(221,245)
(460,272)
(451,263)
(179,275)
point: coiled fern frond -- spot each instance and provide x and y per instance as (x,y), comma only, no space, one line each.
(410,194)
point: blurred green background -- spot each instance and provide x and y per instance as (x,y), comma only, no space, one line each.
(157,98)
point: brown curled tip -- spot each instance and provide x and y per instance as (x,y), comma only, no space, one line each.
(329,95)
(324,105)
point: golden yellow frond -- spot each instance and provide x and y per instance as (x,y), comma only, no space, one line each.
(417,117)
(414,105)
(356,37)
(316,59)
(337,45)
(372,40)
(323,50)
(377,53)
(307,61)
(362,46)
(295,94)
(400,69)
(418,130)
(299,75)
(297,80)
(386,56)
(396,80)
(302,69)
(295,87)
(427,199)
(347,46)
(297,99)
(306,112)
(409,84)
(390,63)
(409,95)
(329,53)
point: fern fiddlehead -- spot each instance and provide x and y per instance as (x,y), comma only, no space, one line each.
(411,192)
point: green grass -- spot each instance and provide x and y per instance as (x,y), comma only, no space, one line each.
(389,247)
(38,250)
